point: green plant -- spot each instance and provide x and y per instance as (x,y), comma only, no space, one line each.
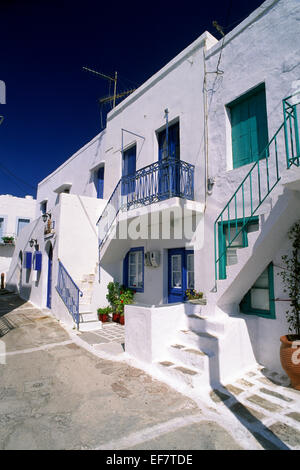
(104,310)
(8,239)
(291,280)
(119,296)
(192,294)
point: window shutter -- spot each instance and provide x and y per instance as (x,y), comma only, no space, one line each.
(38,261)
(28,259)
(100,183)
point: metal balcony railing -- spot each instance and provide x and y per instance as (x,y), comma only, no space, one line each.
(156,182)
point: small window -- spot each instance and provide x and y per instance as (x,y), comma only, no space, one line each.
(21,224)
(249,127)
(190,271)
(43,207)
(259,300)
(99,182)
(133,276)
(1,227)
(176,271)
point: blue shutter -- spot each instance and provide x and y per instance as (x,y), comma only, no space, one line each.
(28,260)
(37,261)
(1,228)
(100,182)
(125,270)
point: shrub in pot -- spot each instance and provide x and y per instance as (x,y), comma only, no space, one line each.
(119,296)
(103,313)
(290,343)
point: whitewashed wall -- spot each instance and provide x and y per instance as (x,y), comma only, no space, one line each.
(11,209)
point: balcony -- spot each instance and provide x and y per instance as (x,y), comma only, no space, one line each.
(157,182)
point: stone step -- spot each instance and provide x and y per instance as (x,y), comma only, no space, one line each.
(204,342)
(85,307)
(189,357)
(205,324)
(88,316)
(90,326)
(179,374)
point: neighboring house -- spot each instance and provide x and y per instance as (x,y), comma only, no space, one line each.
(15,214)
(194,183)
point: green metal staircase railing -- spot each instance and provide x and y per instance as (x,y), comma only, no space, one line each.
(257,184)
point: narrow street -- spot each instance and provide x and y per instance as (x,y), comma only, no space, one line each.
(55,394)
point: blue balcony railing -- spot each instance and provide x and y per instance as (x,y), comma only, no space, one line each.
(69,292)
(156,182)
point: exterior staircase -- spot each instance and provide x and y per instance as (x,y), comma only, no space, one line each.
(88,320)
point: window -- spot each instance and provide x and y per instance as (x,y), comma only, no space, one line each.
(176,281)
(128,168)
(190,271)
(232,232)
(99,182)
(21,224)
(259,300)
(133,269)
(173,149)
(249,127)
(44,207)
(1,228)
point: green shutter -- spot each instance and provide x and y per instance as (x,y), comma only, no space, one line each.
(249,127)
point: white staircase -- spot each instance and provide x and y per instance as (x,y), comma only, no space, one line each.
(88,320)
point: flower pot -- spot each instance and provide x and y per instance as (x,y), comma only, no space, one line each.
(103,317)
(116,317)
(122,321)
(290,360)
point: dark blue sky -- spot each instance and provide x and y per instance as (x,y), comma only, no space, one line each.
(52,107)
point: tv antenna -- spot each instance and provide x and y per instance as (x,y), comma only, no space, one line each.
(109,98)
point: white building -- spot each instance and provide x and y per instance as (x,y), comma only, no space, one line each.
(15,214)
(191,172)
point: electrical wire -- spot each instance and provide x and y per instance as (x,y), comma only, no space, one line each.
(12,175)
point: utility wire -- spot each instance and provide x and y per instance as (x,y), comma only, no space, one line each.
(15,176)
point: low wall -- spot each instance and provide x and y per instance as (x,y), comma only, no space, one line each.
(150,329)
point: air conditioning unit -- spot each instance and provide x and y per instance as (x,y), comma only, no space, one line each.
(147,259)
(155,258)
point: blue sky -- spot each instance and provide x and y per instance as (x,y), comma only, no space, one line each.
(52,105)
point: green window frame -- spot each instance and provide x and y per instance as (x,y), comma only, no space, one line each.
(240,242)
(249,126)
(247,305)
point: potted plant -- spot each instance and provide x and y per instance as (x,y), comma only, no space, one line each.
(103,314)
(8,239)
(119,296)
(290,343)
(195,297)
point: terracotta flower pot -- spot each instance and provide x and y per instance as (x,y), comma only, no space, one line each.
(122,320)
(290,360)
(116,317)
(103,317)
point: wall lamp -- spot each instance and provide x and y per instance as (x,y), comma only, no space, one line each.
(45,216)
(32,242)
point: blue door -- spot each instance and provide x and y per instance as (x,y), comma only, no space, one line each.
(180,273)
(169,157)
(100,182)
(49,282)
(128,171)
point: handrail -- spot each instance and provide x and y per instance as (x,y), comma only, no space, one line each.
(155,182)
(260,180)
(69,292)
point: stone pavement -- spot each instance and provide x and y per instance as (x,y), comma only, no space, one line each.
(55,394)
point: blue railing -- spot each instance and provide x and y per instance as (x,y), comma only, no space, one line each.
(262,177)
(156,182)
(69,292)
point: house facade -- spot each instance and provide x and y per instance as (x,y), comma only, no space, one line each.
(193,184)
(15,214)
